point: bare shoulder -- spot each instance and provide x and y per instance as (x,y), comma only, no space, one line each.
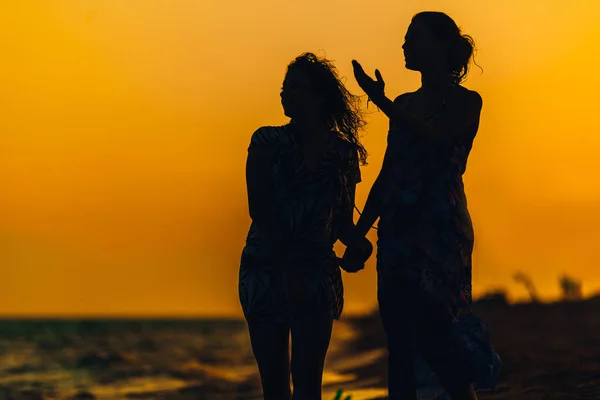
(400,99)
(469,97)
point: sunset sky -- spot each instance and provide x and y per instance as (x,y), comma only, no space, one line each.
(124,126)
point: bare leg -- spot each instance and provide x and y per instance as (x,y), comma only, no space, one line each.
(270,344)
(310,341)
(398,322)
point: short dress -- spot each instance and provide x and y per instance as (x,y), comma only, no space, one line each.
(310,204)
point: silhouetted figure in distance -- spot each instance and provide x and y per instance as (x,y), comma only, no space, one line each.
(425,234)
(301,180)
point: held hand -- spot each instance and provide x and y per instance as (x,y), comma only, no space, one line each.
(351,263)
(356,255)
(373,88)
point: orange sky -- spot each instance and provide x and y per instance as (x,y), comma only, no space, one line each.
(124,127)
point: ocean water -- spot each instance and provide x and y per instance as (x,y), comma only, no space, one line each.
(159,359)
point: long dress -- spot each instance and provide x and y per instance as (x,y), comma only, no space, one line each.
(425,236)
(309,205)
(425,232)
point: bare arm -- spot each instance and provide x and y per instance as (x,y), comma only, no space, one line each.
(371,211)
(347,218)
(462,112)
(358,247)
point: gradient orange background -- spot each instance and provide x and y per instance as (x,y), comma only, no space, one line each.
(124,127)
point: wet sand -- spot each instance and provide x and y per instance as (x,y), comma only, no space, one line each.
(549,351)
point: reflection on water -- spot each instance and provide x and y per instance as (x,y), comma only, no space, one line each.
(156,359)
(549,351)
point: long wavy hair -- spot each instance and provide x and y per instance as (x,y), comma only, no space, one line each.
(342,109)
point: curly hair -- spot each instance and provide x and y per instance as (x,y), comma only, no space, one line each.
(342,109)
(461,47)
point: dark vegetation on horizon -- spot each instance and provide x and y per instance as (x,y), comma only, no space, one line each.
(571,290)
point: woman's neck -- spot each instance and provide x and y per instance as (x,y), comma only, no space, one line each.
(436,82)
(310,127)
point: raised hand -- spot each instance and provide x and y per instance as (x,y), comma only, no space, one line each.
(373,88)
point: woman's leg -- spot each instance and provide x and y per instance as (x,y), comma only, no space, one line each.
(262,300)
(311,326)
(310,341)
(395,308)
(270,344)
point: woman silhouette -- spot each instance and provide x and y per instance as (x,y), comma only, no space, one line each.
(425,234)
(301,180)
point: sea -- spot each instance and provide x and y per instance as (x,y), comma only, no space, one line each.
(160,359)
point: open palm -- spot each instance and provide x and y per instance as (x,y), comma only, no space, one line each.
(370,86)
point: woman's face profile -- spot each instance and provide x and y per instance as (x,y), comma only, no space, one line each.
(297,95)
(421,50)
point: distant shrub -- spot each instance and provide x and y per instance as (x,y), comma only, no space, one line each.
(571,289)
(496,297)
(526,281)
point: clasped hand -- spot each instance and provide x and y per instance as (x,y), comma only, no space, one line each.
(356,255)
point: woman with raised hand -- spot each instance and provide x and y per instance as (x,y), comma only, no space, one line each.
(425,234)
(301,180)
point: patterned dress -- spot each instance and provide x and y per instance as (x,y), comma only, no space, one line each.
(425,235)
(309,203)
